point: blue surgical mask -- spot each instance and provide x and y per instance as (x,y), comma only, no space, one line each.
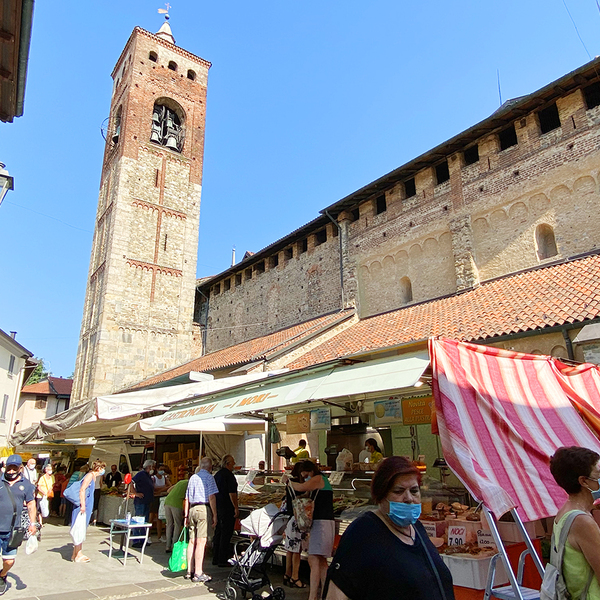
(403,514)
(161,473)
(595,493)
(102,471)
(308,477)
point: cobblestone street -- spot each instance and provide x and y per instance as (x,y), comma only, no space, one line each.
(49,574)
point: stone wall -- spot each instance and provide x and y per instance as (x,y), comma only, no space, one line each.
(139,302)
(483,221)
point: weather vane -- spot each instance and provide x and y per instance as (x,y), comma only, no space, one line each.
(165,11)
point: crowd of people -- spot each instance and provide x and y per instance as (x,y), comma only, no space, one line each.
(383,554)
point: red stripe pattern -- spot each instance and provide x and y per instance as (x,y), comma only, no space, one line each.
(501,415)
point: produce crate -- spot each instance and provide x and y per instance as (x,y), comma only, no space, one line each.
(509,532)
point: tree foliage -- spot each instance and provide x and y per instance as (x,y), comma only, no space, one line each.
(39,373)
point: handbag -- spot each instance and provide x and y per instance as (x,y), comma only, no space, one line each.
(553,583)
(17,534)
(431,563)
(303,509)
(178,559)
(71,493)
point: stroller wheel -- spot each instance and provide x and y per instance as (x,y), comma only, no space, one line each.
(231,592)
(278,594)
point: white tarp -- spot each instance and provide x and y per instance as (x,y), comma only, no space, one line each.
(335,381)
(95,417)
(221,425)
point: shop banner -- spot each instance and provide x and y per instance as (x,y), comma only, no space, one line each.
(320,419)
(298,423)
(388,411)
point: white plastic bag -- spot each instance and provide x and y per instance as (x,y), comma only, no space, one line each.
(78,529)
(344,460)
(162,515)
(44,507)
(32,545)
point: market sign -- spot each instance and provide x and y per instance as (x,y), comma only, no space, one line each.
(388,411)
(298,423)
(320,419)
(417,411)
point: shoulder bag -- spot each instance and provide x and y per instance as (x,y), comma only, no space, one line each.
(431,563)
(554,586)
(17,534)
(72,492)
(303,510)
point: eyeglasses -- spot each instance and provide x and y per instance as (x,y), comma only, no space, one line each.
(597,480)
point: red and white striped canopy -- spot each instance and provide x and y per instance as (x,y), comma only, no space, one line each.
(501,415)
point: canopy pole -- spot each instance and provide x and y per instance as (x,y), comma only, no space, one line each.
(502,551)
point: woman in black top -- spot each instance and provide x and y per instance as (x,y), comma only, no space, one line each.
(386,554)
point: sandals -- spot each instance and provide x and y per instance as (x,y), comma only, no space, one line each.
(286,580)
(294,583)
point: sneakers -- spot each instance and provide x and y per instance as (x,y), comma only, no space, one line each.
(162,538)
(3,585)
(204,578)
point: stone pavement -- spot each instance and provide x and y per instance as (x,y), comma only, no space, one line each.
(49,574)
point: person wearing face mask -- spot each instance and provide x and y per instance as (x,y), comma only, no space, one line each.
(144,494)
(322,531)
(162,483)
(386,554)
(577,471)
(30,472)
(14,492)
(375,451)
(45,490)
(86,505)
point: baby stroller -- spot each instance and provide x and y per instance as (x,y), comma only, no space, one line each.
(249,574)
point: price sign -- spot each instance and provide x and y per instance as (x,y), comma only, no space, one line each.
(429,528)
(485,539)
(336,477)
(457,535)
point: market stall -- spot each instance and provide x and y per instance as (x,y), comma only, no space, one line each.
(486,483)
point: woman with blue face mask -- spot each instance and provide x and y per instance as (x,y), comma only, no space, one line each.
(577,471)
(386,554)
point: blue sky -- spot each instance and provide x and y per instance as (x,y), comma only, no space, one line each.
(307,102)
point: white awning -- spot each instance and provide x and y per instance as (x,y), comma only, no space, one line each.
(321,383)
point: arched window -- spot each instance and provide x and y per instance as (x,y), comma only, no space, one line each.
(172,65)
(545,242)
(191,75)
(168,124)
(153,56)
(117,126)
(405,290)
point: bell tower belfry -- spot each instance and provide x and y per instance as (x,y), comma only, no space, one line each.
(137,318)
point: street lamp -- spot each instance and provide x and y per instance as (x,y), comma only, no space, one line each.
(6,182)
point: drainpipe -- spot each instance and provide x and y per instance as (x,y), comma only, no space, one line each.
(341,257)
(205,332)
(568,343)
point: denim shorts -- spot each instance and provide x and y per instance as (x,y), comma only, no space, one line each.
(4,550)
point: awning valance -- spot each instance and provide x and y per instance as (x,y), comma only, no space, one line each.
(322,383)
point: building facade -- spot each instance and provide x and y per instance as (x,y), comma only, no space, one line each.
(139,303)
(15,366)
(42,400)
(516,191)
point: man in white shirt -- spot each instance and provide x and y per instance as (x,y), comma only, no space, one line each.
(30,472)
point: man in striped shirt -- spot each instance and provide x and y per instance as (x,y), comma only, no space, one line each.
(201,492)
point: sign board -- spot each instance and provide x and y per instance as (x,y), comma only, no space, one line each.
(457,535)
(298,423)
(417,411)
(320,419)
(485,539)
(388,411)
(430,528)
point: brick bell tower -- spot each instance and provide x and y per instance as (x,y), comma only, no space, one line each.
(137,318)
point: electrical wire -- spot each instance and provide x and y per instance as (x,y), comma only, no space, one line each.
(48,216)
(576,29)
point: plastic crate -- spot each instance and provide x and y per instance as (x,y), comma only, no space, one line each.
(472,572)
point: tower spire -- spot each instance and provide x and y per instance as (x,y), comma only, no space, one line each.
(165,32)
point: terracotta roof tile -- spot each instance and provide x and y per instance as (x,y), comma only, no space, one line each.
(53,386)
(257,349)
(565,293)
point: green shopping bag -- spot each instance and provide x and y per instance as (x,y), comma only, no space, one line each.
(178,560)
